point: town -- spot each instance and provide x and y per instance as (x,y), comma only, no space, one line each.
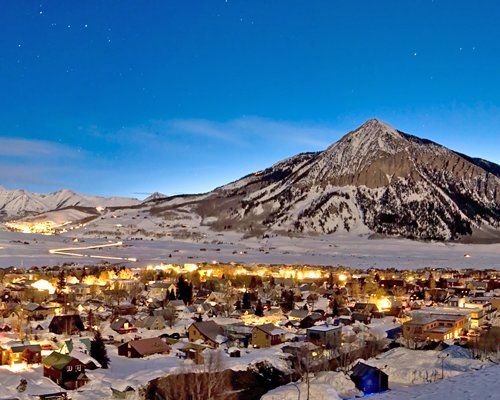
(209,331)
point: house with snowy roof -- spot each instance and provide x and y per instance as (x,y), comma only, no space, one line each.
(68,372)
(20,353)
(208,332)
(143,348)
(152,322)
(123,326)
(79,344)
(267,335)
(327,335)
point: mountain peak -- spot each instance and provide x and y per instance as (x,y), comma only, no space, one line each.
(376,123)
(358,149)
(155,196)
(374,128)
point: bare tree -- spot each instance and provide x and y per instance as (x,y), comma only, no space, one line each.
(170,314)
(209,383)
(312,299)
(311,359)
(199,382)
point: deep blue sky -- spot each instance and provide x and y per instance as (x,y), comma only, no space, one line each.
(129,97)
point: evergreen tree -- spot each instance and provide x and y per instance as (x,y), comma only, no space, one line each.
(287,301)
(98,350)
(189,298)
(184,290)
(171,295)
(90,320)
(253,283)
(246,301)
(259,309)
(335,307)
(61,286)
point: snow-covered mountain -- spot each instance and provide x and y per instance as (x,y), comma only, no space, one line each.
(375,179)
(20,203)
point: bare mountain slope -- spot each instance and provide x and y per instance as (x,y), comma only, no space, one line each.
(374,179)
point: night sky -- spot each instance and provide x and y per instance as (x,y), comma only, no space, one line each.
(131,97)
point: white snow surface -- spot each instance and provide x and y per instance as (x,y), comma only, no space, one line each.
(482,384)
(18,201)
(18,249)
(411,367)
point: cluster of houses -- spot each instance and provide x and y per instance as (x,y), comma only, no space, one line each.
(58,335)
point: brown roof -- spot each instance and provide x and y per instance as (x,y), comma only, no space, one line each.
(146,347)
(209,329)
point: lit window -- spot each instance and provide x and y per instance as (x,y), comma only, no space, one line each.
(69,369)
(78,368)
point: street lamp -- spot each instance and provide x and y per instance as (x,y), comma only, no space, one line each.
(442,357)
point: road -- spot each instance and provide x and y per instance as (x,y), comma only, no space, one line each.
(70,251)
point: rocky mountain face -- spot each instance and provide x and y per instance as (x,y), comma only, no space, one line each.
(20,203)
(375,179)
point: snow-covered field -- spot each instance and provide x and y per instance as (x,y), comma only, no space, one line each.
(17,249)
(482,384)
(412,375)
(412,367)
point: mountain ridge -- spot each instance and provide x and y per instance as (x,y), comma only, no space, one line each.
(18,203)
(374,180)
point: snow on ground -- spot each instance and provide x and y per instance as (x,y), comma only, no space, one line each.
(482,384)
(18,249)
(323,386)
(37,384)
(410,367)
(136,372)
(413,374)
(292,391)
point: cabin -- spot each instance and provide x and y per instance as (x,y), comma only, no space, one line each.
(207,331)
(66,325)
(310,320)
(66,371)
(267,335)
(37,311)
(369,379)
(154,322)
(325,335)
(20,354)
(90,363)
(81,344)
(123,326)
(194,352)
(122,390)
(143,348)
(364,312)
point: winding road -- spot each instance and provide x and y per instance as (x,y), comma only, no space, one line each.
(70,251)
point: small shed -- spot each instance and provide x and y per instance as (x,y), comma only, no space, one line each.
(122,390)
(234,352)
(369,379)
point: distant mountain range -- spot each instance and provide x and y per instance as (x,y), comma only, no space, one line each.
(21,203)
(374,180)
